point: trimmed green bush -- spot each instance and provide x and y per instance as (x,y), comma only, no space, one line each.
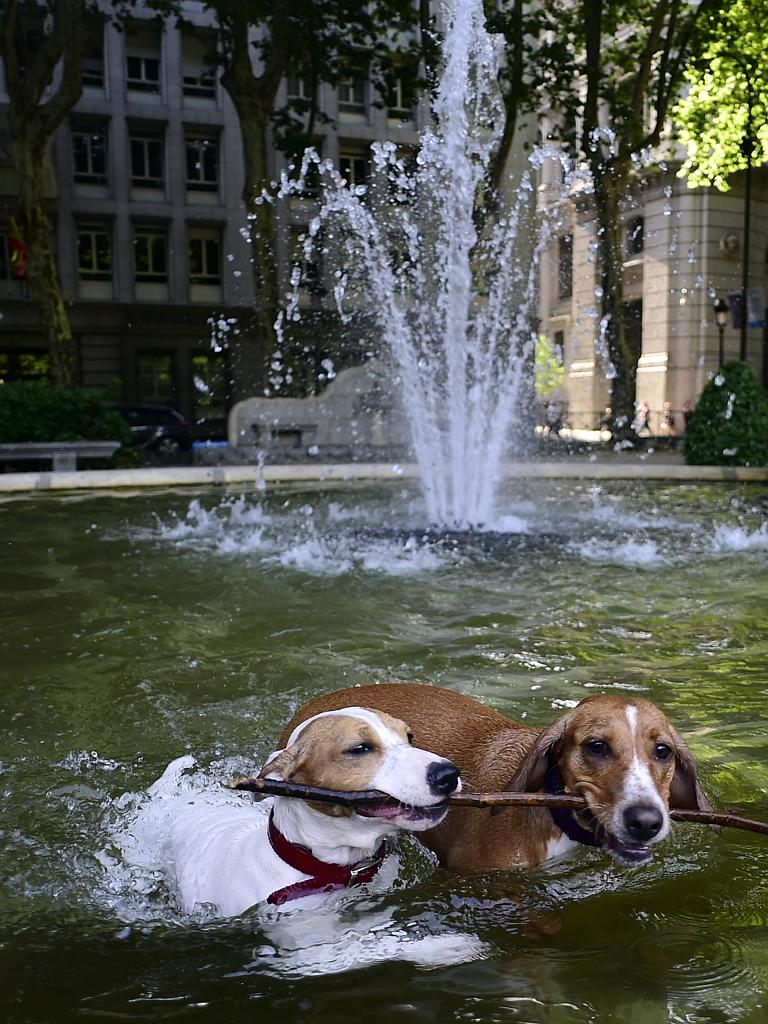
(730,424)
(37,411)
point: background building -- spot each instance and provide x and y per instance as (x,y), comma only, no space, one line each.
(682,249)
(144,186)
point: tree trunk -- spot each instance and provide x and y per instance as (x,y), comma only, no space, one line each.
(616,345)
(34,119)
(253,359)
(253,98)
(42,272)
(512,94)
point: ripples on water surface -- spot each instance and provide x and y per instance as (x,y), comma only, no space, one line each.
(140,628)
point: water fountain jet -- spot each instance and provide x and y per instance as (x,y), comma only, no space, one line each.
(453,307)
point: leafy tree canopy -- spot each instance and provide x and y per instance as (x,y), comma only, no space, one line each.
(712,119)
(315,41)
(550,371)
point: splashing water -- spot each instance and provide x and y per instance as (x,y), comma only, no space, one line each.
(452,302)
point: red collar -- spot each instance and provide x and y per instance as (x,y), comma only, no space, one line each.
(324,877)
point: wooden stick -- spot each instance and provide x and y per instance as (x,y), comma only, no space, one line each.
(347,798)
(277,787)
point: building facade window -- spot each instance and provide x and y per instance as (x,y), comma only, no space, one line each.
(298,88)
(559,345)
(92,60)
(198,81)
(204,256)
(307,261)
(146,159)
(354,168)
(209,394)
(635,237)
(401,99)
(93,71)
(29,365)
(202,163)
(94,252)
(150,249)
(202,85)
(565,266)
(89,155)
(142,73)
(353,91)
(156,378)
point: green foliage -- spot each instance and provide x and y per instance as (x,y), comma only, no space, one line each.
(549,368)
(315,41)
(712,119)
(37,411)
(730,425)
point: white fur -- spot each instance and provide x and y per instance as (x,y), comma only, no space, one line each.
(639,787)
(222,855)
(559,846)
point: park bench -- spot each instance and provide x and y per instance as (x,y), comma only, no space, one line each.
(63,454)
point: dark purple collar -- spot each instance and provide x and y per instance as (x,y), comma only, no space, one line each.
(324,877)
(566,820)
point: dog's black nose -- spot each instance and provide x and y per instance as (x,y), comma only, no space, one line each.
(443,777)
(643,821)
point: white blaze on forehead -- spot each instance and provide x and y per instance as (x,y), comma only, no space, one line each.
(368,716)
(632,719)
(639,787)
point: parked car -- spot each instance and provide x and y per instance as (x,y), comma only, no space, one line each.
(158,428)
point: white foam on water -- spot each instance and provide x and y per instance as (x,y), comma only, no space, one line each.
(509,524)
(642,554)
(738,538)
(137,882)
(297,538)
(322,934)
(232,527)
(330,941)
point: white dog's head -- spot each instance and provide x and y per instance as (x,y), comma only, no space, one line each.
(357,748)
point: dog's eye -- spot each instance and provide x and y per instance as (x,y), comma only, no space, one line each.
(662,751)
(359,749)
(600,748)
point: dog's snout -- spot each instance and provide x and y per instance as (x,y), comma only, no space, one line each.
(443,777)
(643,822)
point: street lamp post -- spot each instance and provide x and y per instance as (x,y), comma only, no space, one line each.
(747,148)
(721,319)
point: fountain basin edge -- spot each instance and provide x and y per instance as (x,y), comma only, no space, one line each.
(196,476)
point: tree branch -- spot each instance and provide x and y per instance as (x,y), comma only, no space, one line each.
(593,29)
(669,80)
(349,798)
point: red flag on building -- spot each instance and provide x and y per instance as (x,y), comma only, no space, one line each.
(17,251)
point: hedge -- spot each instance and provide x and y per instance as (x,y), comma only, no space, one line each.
(730,424)
(37,411)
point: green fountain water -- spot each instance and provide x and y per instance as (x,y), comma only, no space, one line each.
(139,628)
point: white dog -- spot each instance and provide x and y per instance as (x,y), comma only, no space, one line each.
(231,858)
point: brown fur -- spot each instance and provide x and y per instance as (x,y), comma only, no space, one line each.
(495,753)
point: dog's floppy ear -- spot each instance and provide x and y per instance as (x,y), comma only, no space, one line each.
(686,792)
(533,769)
(281,764)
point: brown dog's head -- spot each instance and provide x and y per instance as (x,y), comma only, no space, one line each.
(629,764)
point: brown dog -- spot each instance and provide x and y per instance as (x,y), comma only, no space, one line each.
(620,754)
